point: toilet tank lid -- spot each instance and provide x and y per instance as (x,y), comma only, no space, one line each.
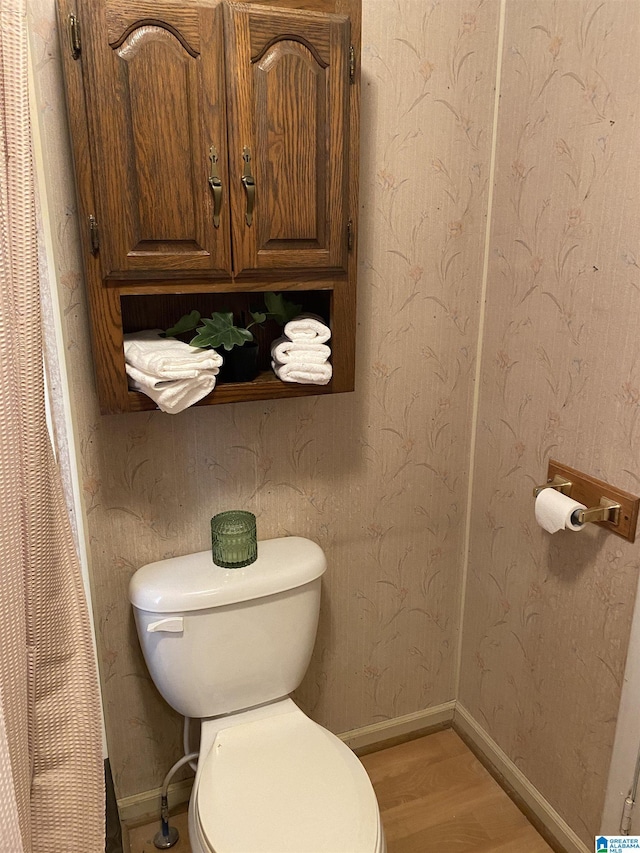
(195,582)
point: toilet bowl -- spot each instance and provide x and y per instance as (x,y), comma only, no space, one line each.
(273,781)
(228,646)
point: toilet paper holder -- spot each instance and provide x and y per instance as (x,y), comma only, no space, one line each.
(607,505)
(607,510)
(561,484)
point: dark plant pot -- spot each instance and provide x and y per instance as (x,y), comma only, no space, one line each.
(225,372)
(264,335)
(240,364)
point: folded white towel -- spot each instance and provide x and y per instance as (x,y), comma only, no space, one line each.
(283,350)
(167,358)
(304,373)
(172,395)
(308,327)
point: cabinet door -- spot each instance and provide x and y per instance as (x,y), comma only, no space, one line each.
(155,93)
(288,86)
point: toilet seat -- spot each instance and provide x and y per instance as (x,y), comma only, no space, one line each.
(285,785)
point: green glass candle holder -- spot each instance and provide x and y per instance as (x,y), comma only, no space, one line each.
(233,539)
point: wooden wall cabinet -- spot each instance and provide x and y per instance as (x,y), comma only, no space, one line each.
(216,155)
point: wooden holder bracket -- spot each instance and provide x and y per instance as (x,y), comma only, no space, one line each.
(595,493)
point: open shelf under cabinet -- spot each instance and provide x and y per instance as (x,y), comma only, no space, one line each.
(265,386)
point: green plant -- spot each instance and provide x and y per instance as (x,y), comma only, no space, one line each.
(219,330)
(216,331)
(186,323)
(280,309)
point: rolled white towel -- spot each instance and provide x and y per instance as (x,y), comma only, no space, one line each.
(308,327)
(304,373)
(283,351)
(167,358)
(172,395)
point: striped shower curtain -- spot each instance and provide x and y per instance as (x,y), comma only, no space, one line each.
(51,782)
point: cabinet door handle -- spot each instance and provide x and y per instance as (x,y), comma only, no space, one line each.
(216,185)
(249,185)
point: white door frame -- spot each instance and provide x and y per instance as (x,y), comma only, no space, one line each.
(627,739)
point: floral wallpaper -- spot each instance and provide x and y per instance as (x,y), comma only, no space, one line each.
(380,477)
(546,626)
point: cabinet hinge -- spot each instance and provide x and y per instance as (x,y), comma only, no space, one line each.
(74,37)
(350,235)
(94,236)
(352,64)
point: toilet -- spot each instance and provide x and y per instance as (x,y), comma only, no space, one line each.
(228,646)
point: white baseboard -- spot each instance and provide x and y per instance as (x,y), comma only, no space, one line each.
(513,776)
(147,803)
(399,726)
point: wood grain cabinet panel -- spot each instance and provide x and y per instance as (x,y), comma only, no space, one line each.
(289,98)
(156,104)
(216,152)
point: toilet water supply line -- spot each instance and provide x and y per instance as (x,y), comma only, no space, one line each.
(629,803)
(185,742)
(168,836)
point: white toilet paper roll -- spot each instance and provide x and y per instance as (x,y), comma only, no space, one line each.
(554,511)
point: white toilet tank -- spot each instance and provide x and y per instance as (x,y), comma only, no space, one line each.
(219,640)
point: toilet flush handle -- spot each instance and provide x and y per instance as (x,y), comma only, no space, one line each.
(174,624)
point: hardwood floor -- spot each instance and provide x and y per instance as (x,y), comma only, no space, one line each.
(434,795)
